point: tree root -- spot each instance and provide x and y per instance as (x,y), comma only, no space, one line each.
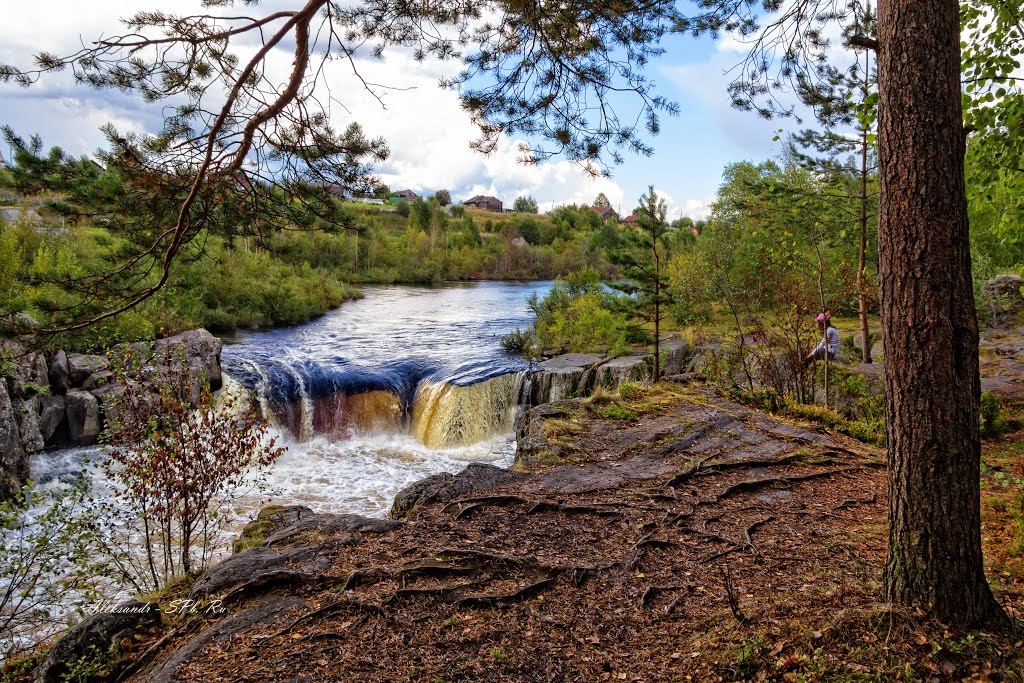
(338,603)
(852,502)
(652,591)
(757,484)
(703,468)
(637,552)
(524,592)
(532,506)
(284,577)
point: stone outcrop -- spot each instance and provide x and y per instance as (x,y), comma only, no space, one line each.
(446,487)
(576,375)
(82,415)
(622,370)
(1003,302)
(561,377)
(60,400)
(675,353)
(96,634)
(82,366)
(532,442)
(13,460)
(59,372)
(20,432)
(28,410)
(51,414)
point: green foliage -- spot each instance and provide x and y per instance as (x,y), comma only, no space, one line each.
(95,666)
(993,423)
(525,204)
(691,291)
(618,413)
(443,197)
(47,568)
(578,315)
(518,341)
(19,668)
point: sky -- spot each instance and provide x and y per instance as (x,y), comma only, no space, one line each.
(426,130)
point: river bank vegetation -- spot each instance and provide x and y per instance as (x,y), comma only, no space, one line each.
(86,219)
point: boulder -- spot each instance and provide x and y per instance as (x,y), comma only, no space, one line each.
(877,352)
(97,380)
(59,373)
(99,633)
(619,371)
(51,414)
(254,562)
(13,460)
(674,355)
(83,418)
(201,354)
(442,488)
(105,395)
(28,410)
(1004,301)
(81,366)
(277,525)
(282,543)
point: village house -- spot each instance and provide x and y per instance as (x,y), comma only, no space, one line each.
(486,203)
(407,195)
(606,213)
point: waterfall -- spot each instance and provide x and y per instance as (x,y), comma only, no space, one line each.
(341,416)
(446,415)
(437,414)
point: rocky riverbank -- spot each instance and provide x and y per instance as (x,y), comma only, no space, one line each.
(648,534)
(58,400)
(602,564)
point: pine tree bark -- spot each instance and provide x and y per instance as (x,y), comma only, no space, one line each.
(929,325)
(862,250)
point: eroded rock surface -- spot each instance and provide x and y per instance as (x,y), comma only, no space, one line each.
(623,546)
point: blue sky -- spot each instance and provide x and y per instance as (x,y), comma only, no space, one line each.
(424,126)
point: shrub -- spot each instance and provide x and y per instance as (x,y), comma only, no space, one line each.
(993,423)
(45,565)
(175,460)
(518,341)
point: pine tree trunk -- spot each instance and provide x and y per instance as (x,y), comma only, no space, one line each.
(928,319)
(862,251)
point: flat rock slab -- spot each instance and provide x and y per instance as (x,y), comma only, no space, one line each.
(572,360)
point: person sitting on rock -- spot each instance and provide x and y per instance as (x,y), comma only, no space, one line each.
(829,342)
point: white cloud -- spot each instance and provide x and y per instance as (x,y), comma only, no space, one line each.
(425,127)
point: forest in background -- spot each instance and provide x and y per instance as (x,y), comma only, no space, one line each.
(257,276)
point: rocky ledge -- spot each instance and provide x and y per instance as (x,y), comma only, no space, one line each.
(575,375)
(57,400)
